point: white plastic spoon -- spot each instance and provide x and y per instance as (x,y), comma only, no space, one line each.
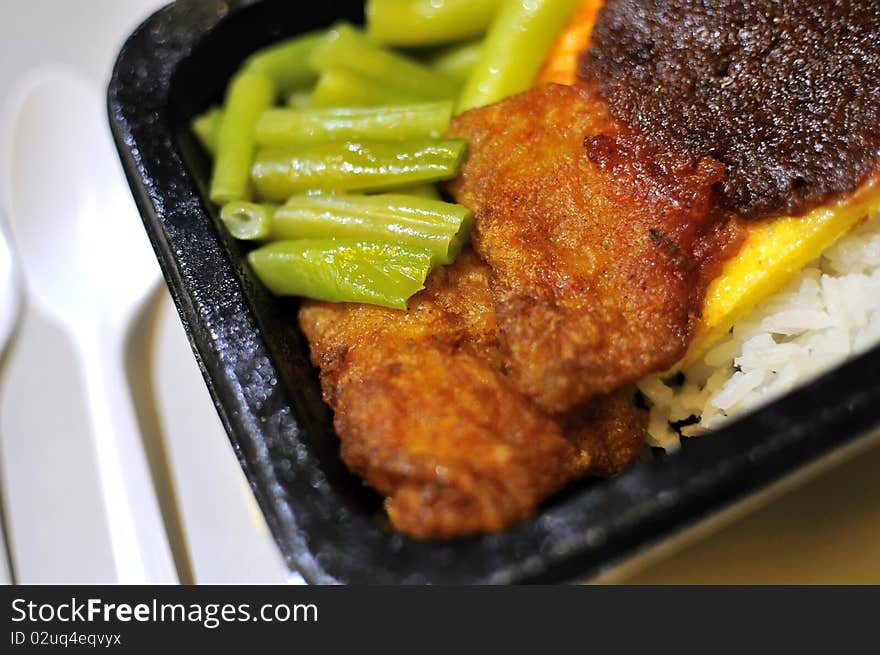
(87,265)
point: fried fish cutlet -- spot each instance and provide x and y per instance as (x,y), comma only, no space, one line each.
(427,418)
(598,244)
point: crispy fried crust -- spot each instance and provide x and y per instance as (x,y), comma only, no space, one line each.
(595,242)
(611,429)
(428,419)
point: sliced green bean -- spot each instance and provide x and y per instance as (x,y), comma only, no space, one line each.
(248,96)
(432,225)
(293,127)
(457,62)
(515,47)
(248,221)
(287,63)
(279,173)
(426,22)
(206,126)
(338,87)
(342,270)
(346,47)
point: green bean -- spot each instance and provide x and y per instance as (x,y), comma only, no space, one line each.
(516,45)
(432,225)
(342,270)
(287,63)
(279,173)
(458,61)
(205,127)
(294,127)
(426,22)
(248,96)
(345,47)
(338,87)
(248,221)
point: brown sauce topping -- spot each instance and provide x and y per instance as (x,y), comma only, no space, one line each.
(785,93)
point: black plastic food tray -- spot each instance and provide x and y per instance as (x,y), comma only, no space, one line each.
(255,361)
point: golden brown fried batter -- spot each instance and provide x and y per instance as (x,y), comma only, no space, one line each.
(611,430)
(594,240)
(426,416)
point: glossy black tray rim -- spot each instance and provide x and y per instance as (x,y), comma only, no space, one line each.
(320,532)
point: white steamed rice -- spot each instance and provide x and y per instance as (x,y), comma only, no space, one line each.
(829,312)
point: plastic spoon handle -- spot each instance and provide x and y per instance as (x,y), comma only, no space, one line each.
(139,543)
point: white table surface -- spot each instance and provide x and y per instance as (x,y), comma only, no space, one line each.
(826,531)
